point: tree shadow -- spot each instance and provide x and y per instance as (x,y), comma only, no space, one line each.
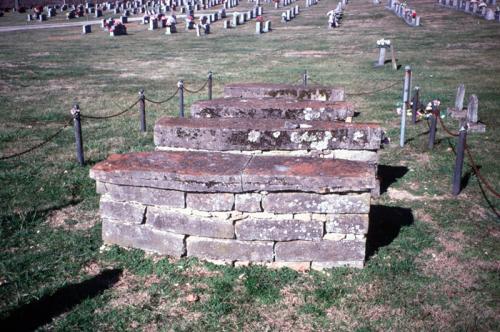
(31,316)
(389,174)
(384,226)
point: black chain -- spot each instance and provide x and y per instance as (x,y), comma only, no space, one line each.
(83,116)
(198,90)
(50,138)
(162,101)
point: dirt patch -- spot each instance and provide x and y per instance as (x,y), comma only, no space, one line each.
(73,218)
(308,54)
(404,195)
(132,290)
(39,54)
(91,269)
(446,265)
(62,38)
(284,316)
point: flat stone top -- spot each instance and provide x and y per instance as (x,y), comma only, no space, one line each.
(182,163)
(259,124)
(310,92)
(280,86)
(272,108)
(219,172)
(248,134)
(277,103)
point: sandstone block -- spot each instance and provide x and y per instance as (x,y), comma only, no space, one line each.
(347,223)
(121,211)
(206,248)
(232,173)
(184,171)
(273,173)
(143,237)
(177,222)
(278,230)
(320,251)
(257,90)
(335,236)
(306,202)
(248,202)
(270,108)
(210,202)
(148,196)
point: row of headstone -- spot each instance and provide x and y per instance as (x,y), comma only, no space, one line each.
(476,8)
(290,14)
(231,4)
(127,8)
(284,3)
(241,18)
(402,10)
(310,3)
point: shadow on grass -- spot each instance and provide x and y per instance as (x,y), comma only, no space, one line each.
(385,224)
(30,316)
(389,174)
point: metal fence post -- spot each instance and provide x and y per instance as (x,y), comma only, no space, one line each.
(209,85)
(416,103)
(459,161)
(304,78)
(406,93)
(142,110)
(180,85)
(75,112)
(432,129)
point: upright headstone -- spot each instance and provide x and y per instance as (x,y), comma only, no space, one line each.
(472,109)
(459,99)
(267,26)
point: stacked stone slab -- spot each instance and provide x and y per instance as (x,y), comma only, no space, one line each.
(227,185)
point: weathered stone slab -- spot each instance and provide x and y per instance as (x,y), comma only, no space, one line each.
(272,108)
(148,196)
(181,223)
(185,171)
(218,172)
(121,211)
(206,248)
(320,251)
(347,223)
(250,202)
(223,134)
(307,174)
(306,202)
(210,202)
(143,237)
(258,90)
(278,230)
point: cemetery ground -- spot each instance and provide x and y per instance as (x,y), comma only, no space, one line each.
(434,259)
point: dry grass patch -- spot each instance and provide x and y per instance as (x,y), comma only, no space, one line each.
(73,217)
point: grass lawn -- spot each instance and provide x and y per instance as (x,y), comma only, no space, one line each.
(434,259)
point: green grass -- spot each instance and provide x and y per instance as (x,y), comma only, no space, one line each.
(440,270)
